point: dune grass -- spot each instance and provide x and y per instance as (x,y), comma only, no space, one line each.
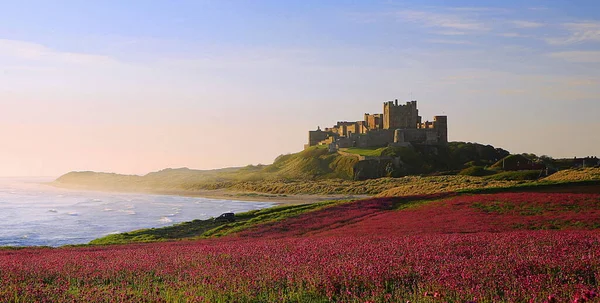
(578,174)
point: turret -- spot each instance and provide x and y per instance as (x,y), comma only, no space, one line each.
(440,123)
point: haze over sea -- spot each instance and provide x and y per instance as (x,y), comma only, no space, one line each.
(35,214)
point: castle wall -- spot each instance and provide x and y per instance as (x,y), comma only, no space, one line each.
(400,116)
(416,136)
(374,121)
(441,125)
(316,136)
(399,125)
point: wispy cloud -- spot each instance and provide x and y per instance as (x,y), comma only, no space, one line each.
(440,20)
(450,33)
(513,35)
(449,41)
(39,53)
(577,33)
(478,9)
(526,24)
(578,56)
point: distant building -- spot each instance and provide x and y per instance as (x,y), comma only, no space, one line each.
(399,125)
(586,162)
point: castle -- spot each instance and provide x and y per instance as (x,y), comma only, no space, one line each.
(399,125)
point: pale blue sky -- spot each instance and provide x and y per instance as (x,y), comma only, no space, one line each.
(136,86)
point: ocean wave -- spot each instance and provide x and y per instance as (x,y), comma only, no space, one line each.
(129,212)
(165,220)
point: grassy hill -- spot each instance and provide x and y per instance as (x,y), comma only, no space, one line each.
(458,166)
(310,164)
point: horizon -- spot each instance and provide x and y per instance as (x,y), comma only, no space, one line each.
(141,86)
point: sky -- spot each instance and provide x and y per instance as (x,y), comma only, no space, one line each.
(137,86)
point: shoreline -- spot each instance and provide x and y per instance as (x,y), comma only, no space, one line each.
(222,194)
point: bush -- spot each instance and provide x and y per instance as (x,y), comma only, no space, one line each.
(475,171)
(521,175)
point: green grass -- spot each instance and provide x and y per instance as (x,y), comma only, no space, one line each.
(369,152)
(522,175)
(209,228)
(476,171)
(560,186)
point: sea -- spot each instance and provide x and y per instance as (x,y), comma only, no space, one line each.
(33,213)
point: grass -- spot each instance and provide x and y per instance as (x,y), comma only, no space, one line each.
(209,228)
(476,171)
(578,174)
(542,186)
(521,175)
(368,152)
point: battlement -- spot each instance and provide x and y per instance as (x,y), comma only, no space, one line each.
(378,129)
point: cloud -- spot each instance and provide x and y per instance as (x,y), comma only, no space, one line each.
(513,35)
(441,20)
(450,33)
(448,41)
(578,56)
(526,24)
(478,9)
(577,33)
(538,8)
(34,52)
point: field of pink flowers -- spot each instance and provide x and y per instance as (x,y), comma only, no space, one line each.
(514,247)
(452,214)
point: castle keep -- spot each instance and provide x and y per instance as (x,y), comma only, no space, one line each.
(399,125)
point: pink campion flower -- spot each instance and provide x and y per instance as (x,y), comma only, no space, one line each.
(590,294)
(551,299)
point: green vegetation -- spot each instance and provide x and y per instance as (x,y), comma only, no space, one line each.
(580,174)
(476,171)
(369,152)
(210,228)
(511,161)
(422,170)
(521,175)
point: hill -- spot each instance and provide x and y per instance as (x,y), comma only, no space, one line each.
(312,164)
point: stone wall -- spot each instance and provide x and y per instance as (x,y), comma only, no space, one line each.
(316,136)
(378,130)
(400,116)
(416,136)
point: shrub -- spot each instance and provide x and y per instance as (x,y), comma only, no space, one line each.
(475,171)
(522,175)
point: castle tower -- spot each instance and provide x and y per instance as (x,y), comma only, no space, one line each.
(440,123)
(400,116)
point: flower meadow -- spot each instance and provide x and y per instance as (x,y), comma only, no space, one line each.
(510,247)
